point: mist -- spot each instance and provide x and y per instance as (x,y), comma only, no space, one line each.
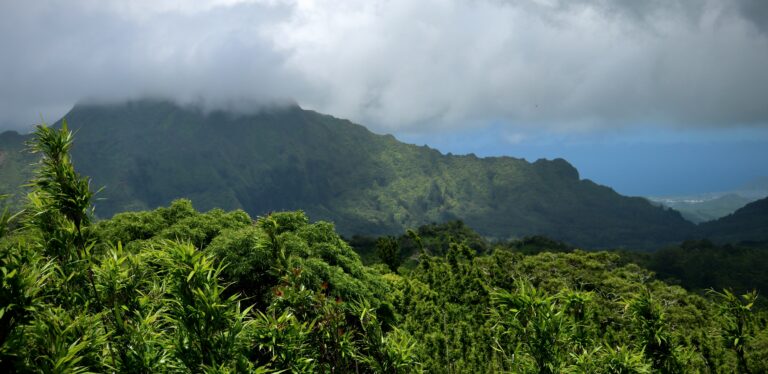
(398,66)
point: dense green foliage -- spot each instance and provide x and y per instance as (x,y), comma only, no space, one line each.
(580,312)
(696,265)
(176,290)
(433,239)
(148,291)
(699,265)
(148,153)
(555,312)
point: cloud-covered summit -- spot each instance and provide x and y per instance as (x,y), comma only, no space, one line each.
(398,65)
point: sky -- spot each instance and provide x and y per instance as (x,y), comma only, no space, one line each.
(654,97)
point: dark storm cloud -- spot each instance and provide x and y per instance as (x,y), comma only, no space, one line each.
(756,11)
(58,53)
(399,64)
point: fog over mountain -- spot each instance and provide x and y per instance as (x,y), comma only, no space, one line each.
(398,65)
(549,75)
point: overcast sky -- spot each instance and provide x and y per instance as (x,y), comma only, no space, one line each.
(483,76)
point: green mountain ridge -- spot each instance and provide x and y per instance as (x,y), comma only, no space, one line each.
(747,224)
(149,152)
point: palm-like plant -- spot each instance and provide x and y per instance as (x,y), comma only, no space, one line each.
(209,329)
(737,322)
(538,322)
(650,328)
(610,360)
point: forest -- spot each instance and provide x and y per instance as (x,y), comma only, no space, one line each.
(178,290)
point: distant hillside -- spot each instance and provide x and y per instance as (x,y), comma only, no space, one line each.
(148,153)
(15,169)
(748,224)
(698,209)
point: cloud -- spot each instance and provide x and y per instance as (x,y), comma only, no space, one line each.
(399,65)
(59,53)
(514,138)
(756,12)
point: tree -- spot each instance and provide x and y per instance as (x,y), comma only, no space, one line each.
(388,251)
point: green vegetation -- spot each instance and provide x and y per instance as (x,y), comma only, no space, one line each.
(699,265)
(147,291)
(148,153)
(748,224)
(561,312)
(176,290)
(388,250)
(696,265)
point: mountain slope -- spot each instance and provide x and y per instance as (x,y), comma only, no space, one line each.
(148,153)
(15,169)
(698,209)
(749,223)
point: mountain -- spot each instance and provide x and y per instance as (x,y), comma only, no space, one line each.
(706,207)
(15,168)
(149,152)
(748,224)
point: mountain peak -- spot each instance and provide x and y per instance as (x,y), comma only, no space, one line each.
(559,167)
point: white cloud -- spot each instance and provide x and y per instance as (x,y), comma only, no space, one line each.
(399,65)
(515,138)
